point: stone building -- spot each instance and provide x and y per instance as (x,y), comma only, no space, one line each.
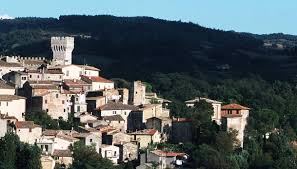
(62,48)
(162,124)
(27,131)
(215,104)
(110,152)
(234,116)
(98,83)
(124,93)
(138,93)
(6,67)
(146,137)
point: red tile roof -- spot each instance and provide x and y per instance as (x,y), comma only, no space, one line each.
(97,79)
(167,154)
(234,106)
(62,153)
(25,124)
(144,132)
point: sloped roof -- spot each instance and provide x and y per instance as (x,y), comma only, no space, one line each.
(113,118)
(7,64)
(4,85)
(87,67)
(97,79)
(26,124)
(167,154)
(234,106)
(117,106)
(144,132)
(203,98)
(62,153)
(10,97)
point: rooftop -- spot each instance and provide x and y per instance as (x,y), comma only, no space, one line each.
(96,79)
(117,106)
(167,154)
(113,118)
(234,106)
(4,85)
(62,153)
(197,99)
(26,124)
(144,132)
(7,64)
(10,97)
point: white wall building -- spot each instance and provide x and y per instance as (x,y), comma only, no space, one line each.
(28,132)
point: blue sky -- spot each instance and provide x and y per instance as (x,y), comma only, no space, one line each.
(255,16)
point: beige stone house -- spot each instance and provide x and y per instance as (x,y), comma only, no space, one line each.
(110,152)
(116,121)
(98,83)
(6,67)
(27,131)
(12,105)
(234,116)
(146,137)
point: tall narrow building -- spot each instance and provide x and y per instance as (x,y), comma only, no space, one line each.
(62,48)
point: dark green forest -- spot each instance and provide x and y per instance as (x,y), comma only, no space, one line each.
(182,61)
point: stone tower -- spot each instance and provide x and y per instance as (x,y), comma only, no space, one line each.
(138,93)
(62,48)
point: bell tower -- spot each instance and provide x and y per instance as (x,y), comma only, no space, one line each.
(62,48)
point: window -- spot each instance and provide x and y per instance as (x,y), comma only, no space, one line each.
(64,110)
(63,101)
(42,147)
(237,111)
(114,112)
(57,95)
(125,113)
(30,76)
(60,77)
(0,103)
(6,103)
(30,130)
(115,153)
(229,111)
(37,76)
(67,73)
(24,78)
(46,147)
(45,101)
(46,110)
(78,108)
(91,140)
(76,99)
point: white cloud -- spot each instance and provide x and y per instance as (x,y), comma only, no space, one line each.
(5,16)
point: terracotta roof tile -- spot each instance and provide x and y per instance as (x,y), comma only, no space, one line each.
(144,132)
(96,79)
(62,153)
(234,106)
(25,124)
(167,154)
(4,85)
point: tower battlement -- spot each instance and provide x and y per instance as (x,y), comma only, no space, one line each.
(62,48)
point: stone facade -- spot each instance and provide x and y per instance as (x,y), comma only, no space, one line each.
(62,48)
(138,93)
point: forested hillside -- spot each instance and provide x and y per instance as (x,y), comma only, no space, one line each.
(120,45)
(182,61)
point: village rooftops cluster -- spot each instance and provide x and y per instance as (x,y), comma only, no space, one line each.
(118,122)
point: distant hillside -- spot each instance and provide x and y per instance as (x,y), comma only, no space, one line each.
(134,47)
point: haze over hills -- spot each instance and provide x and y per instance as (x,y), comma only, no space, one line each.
(133,47)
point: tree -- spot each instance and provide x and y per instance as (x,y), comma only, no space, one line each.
(201,117)
(17,155)
(87,157)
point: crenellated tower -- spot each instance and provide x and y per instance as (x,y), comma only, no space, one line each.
(62,48)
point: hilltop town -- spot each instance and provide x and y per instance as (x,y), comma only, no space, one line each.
(122,124)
